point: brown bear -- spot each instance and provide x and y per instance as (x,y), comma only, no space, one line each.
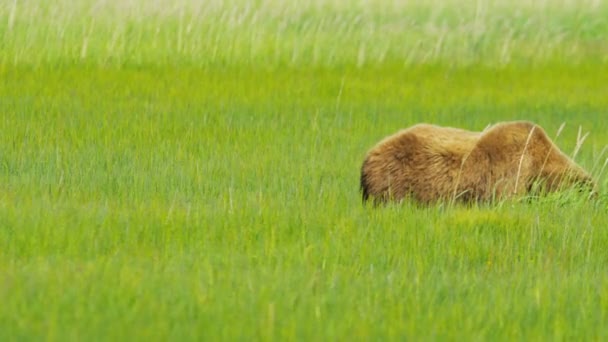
(430,163)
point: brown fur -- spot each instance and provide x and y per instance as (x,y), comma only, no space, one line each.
(430,163)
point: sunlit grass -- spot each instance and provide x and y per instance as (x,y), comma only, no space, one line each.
(189,170)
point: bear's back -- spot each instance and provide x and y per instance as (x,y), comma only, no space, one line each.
(441,140)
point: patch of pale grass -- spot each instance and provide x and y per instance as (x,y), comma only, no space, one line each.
(322,33)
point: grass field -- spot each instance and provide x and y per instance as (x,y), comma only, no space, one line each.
(184,170)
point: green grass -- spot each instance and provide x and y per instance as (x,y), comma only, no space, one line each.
(169,171)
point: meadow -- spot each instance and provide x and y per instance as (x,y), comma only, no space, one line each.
(189,170)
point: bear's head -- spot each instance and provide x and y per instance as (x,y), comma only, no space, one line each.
(558,172)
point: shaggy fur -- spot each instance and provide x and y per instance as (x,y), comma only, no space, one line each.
(429,163)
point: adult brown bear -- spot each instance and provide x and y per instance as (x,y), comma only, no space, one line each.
(430,163)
